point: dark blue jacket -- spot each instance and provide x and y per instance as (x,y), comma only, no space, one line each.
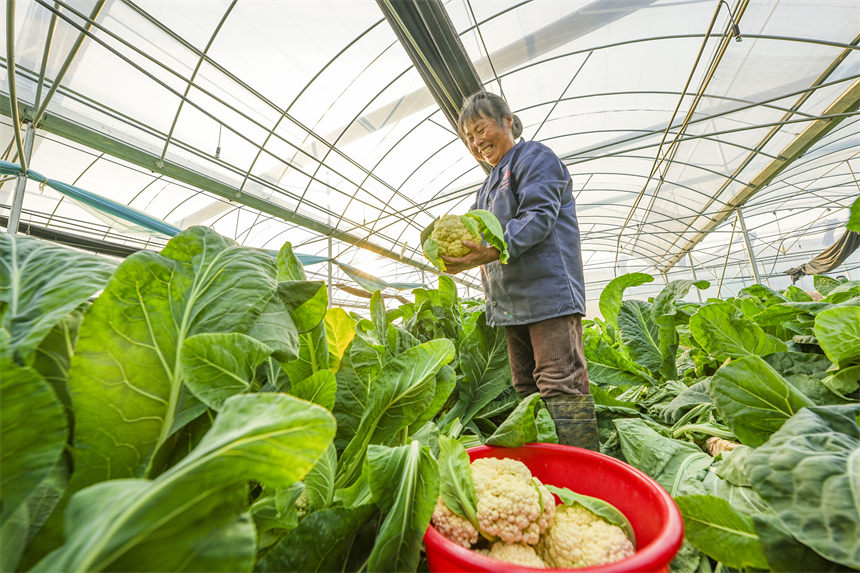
(531,193)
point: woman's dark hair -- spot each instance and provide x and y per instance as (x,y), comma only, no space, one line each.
(491,106)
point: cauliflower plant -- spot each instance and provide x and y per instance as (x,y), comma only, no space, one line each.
(452,526)
(512,506)
(579,538)
(449,232)
(516,553)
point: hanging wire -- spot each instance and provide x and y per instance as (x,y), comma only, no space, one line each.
(218,149)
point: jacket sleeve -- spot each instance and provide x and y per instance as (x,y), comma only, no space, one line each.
(540,182)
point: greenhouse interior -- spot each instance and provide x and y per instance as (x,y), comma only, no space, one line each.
(211,202)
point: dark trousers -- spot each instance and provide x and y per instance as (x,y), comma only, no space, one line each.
(547,357)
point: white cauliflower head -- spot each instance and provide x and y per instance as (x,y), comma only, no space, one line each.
(449,232)
(516,553)
(579,538)
(452,526)
(509,502)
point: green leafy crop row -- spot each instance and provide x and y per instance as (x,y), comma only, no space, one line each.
(768,383)
(206,411)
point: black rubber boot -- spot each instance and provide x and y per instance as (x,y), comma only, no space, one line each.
(575,421)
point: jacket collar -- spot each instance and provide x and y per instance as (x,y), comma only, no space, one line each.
(501,168)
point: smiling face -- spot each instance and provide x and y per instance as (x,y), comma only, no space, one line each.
(487,140)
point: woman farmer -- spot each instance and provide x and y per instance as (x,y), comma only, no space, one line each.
(539,296)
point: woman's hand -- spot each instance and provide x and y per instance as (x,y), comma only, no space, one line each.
(479,255)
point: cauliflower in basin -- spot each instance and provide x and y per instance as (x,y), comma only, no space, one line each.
(452,526)
(512,506)
(579,538)
(449,232)
(516,553)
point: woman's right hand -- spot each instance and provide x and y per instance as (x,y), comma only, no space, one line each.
(477,256)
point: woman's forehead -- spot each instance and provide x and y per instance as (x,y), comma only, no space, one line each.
(471,124)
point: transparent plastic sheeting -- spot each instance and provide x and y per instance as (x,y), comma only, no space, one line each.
(134,222)
(313,110)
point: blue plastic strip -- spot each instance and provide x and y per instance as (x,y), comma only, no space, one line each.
(406,286)
(115,209)
(366,281)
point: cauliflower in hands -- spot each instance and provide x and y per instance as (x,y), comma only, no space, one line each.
(579,538)
(449,232)
(512,506)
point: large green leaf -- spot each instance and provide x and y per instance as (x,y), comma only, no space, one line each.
(847,293)
(492,231)
(809,474)
(446,380)
(767,296)
(606,365)
(359,368)
(838,333)
(339,331)
(306,301)
(192,517)
(843,380)
(13,538)
(319,483)
(678,466)
(742,498)
(612,294)
(665,314)
(854,217)
(125,377)
(319,388)
(486,371)
(404,482)
(313,355)
(399,340)
(784,553)
(275,329)
(19,530)
(289,267)
(377,316)
(40,283)
(520,426)
(34,430)
(640,334)
(320,541)
(792,363)
(54,356)
(456,487)
(824,284)
(721,532)
(754,400)
(795,294)
(724,332)
(216,366)
(789,311)
(403,389)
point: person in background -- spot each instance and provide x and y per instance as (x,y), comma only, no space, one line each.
(539,296)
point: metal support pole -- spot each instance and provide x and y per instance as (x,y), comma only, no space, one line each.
(21,185)
(330,286)
(693,272)
(665,277)
(728,252)
(748,245)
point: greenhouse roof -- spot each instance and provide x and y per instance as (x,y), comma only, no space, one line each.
(299,121)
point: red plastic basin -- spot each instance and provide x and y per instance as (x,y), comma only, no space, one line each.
(652,512)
